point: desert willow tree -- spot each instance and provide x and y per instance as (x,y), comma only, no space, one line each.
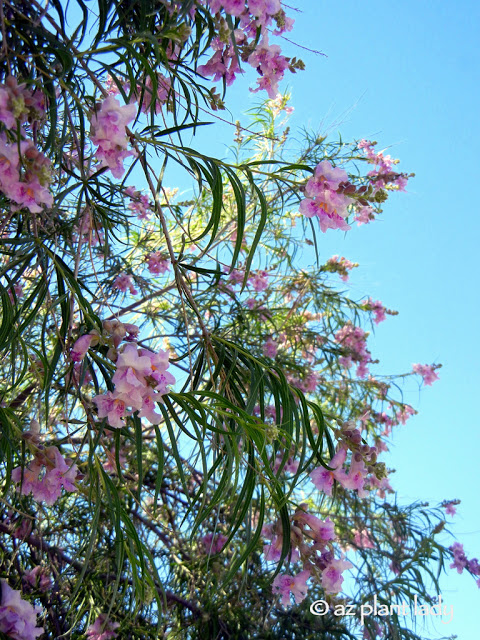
(192,426)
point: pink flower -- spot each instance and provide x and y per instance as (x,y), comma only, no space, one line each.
(364,215)
(332,578)
(362,540)
(322,199)
(236,277)
(148,407)
(377,308)
(234,7)
(341,266)
(427,371)
(213,543)
(123,282)
(356,475)
(18,618)
(323,531)
(270,348)
(58,472)
(259,280)
(80,348)
(404,414)
(459,558)
(323,478)
(112,408)
(39,577)
(270,64)
(108,131)
(284,585)
(157,263)
(325,177)
(102,629)
(450,508)
(330,208)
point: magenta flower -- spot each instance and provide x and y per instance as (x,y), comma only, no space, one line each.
(259,280)
(18,618)
(39,577)
(213,543)
(450,508)
(325,177)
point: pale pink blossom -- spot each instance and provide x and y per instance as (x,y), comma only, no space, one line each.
(102,629)
(450,508)
(427,371)
(18,618)
(259,280)
(80,348)
(108,132)
(157,263)
(45,476)
(332,578)
(112,408)
(284,585)
(123,282)
(323,478)
(270,348)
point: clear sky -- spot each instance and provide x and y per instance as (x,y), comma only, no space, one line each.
(407,75)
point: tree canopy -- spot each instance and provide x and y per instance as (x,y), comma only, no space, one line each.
(192,420)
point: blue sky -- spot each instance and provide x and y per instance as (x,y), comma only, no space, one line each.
(407,75)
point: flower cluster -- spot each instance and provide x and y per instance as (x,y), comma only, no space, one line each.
(323,198)
(254,17)
(383,176)
(259,280)
(25,172)
(270,348)
(45,476)
(108,132)
(18,618)
(139,203)
(354,341)
(363,465)
(449,506)
(157,263)
(141,379)
(311,542)
(340,265)
(378,309)
(213,544)
(19,104)
(123,282)
(461,562)
(427,371)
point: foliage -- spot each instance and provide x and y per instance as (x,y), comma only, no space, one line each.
(188,503)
